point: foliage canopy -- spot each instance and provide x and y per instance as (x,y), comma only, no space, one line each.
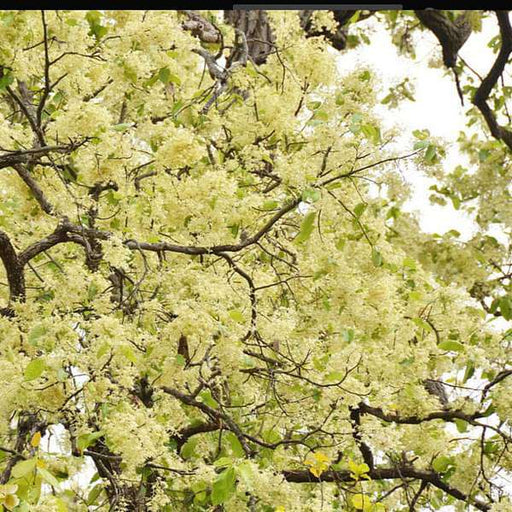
(212,293)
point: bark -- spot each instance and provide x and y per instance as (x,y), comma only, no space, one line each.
(451,34)
(482,94)
(14,270)
(256,27)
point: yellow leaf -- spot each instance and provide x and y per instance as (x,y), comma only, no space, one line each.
(40,463)
(361,502)
(318,463)
(10,501)
(358,470)
(280,508)
(36,440)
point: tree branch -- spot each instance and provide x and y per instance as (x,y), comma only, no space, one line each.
(451,34)
(13,269)
(398,472)
(482,94)
(31,183)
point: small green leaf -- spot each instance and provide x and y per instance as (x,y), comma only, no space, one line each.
(85,440)
(422,324)
(35,333)
(224,486)
(451,346)
(462,425)
(442,463)
(164,75)
(361,502)
(359,209)
(236,446)
(48,477)
(505,305)
(34,369)
(430,154)
(377,258)
(237,316)
(121,127)
(23,468)
(311,195)
(128,352)
(207,399)
(347,335)
(6,80)
(270,205)
(306,228)
(94,494)
(188,449)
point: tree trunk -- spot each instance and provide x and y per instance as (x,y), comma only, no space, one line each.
(255,26)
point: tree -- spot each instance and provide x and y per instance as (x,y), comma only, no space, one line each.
(212,291)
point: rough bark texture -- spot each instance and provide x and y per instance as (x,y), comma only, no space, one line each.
(13,269)
(451,34)
(482,94)
(255,26)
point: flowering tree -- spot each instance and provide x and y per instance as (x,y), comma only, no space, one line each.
(211,291)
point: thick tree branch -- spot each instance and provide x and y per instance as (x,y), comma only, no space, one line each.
(482,94)
(31,183)
(13,269)
(446,415)
(451,34)
(12,158)
(256,27)
(398,472)
(199,27)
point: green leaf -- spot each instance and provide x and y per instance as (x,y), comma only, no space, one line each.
(6,80)
(361,502)
(409,263)
(470,370)
(94,493)
(505,305)
(347,335)
(306,228)
(236,446)
(85,440)
(420,144)
(451,346)
(359,209)
(270,205)
(422,324)
(224,486)
(430,154)
(314,105)
(121,127)
(377,258)
(223,462)
(237,316)
(23,468)
(462,425)
(34,369)
(207,399)
(442,463)
(311,195)
(128,352)
(164,75)
(48,477)
(35,333)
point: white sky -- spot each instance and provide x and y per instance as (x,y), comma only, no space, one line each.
(437,107)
